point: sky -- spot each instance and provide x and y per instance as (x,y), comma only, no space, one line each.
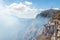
(27,8)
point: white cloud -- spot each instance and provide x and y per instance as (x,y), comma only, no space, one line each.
(28,3)
(56,8)
(21,10)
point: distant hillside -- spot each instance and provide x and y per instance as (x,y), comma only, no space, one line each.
(47,13)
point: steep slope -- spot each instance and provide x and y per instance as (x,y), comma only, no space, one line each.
(51,29)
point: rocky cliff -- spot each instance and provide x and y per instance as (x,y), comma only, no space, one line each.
(51,30)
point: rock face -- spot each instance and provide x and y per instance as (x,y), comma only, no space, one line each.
(51,30)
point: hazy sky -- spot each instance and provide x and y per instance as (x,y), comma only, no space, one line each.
(27,8)
(38,3)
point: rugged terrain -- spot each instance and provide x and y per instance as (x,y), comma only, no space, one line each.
(51,30)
